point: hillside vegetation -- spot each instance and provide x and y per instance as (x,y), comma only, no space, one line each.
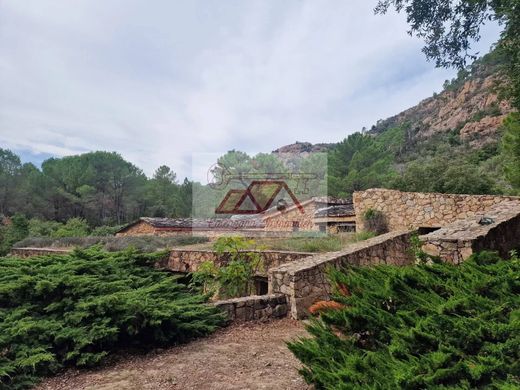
(75,309)
(451,142)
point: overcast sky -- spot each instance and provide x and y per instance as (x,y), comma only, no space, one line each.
(160,80)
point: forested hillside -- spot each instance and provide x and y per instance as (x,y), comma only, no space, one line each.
(450,142)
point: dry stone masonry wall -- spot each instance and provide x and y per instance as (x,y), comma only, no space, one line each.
(190,260)
(455,242)
(255,307)
(305,281)
(406,210)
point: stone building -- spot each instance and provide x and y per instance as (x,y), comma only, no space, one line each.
(423,211)
(336,218)
(178,226)
(318,214)
(311,215)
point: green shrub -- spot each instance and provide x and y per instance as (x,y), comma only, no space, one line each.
(235,277)
(40,228)
(417,327)
(103,231)
(74,310)
(111,243)
(75,227)
(17,230)
(362,236)
(375,221)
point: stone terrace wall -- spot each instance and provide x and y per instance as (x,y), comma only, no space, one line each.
(29,252)
(305,281)
(189,260)
(406,210)
(255,307)
(459,240)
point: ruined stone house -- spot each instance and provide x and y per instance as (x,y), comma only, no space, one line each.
(318,214)
(179,226)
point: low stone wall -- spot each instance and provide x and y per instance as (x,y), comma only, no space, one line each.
(29,252)
(457,241)
(183,260)
(255,307)
(305,281)
(410,210)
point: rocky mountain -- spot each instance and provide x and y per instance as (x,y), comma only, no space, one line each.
(303,147)
(469,106)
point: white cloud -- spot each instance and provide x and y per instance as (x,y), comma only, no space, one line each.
(158,83)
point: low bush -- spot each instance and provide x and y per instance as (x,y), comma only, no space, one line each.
(316,243)
(375,221)
(73,310)
(235,277)
(417,327)
(103,231)
(111,243)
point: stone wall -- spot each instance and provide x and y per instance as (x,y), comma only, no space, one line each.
(305,281)
(29,252)
(456,242)
(180,260)
(283,221)
(255,307)
(406,210)
(140,228)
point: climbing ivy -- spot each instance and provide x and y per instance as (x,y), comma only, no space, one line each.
(73,310)
(417,327)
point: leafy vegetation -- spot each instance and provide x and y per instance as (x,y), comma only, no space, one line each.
(511,149)
(16,230)
(74,310)
(314,243)
(113,244)
(99,187)
(235,277)
(375,221)
(424,326)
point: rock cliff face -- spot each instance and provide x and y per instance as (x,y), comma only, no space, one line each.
(469,106)
(472,109)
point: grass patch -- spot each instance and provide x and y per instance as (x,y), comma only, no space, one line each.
(315,244)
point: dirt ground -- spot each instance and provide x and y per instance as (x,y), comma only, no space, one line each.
(246,356)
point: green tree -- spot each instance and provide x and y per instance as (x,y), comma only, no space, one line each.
(10,166)
(511,149)
(16,231)
(75,227)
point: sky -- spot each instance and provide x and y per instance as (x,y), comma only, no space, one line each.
(162,81)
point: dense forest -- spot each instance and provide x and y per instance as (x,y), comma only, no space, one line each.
(100,187)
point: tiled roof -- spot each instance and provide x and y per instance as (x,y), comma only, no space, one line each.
(198,223)
(341,210)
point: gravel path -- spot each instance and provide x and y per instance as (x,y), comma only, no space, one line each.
(246,356)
